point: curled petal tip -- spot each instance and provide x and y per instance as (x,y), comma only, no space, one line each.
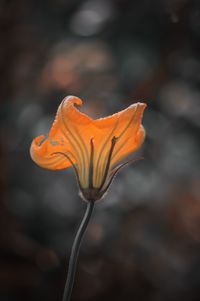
(37,147)
(39,140)
(72,100)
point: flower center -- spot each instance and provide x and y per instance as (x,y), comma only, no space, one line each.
(89,189)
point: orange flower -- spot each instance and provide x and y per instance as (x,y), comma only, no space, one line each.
(92,147)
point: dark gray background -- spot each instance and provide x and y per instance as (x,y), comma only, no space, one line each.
(144,239)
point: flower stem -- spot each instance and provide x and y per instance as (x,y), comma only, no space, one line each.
(75,251)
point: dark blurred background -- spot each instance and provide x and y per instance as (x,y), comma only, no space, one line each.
(143,242)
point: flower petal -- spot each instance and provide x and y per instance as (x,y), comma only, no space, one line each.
(79,129)
(43,148)
(129,144)
(132,135)
(124,125)
(119,121)
(42,152)
(70,134)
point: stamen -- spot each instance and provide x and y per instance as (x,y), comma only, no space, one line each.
(113,142)
(91,167)
(120,147)
(104,147)
(85,153)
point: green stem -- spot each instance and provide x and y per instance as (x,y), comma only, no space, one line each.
(75,251)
